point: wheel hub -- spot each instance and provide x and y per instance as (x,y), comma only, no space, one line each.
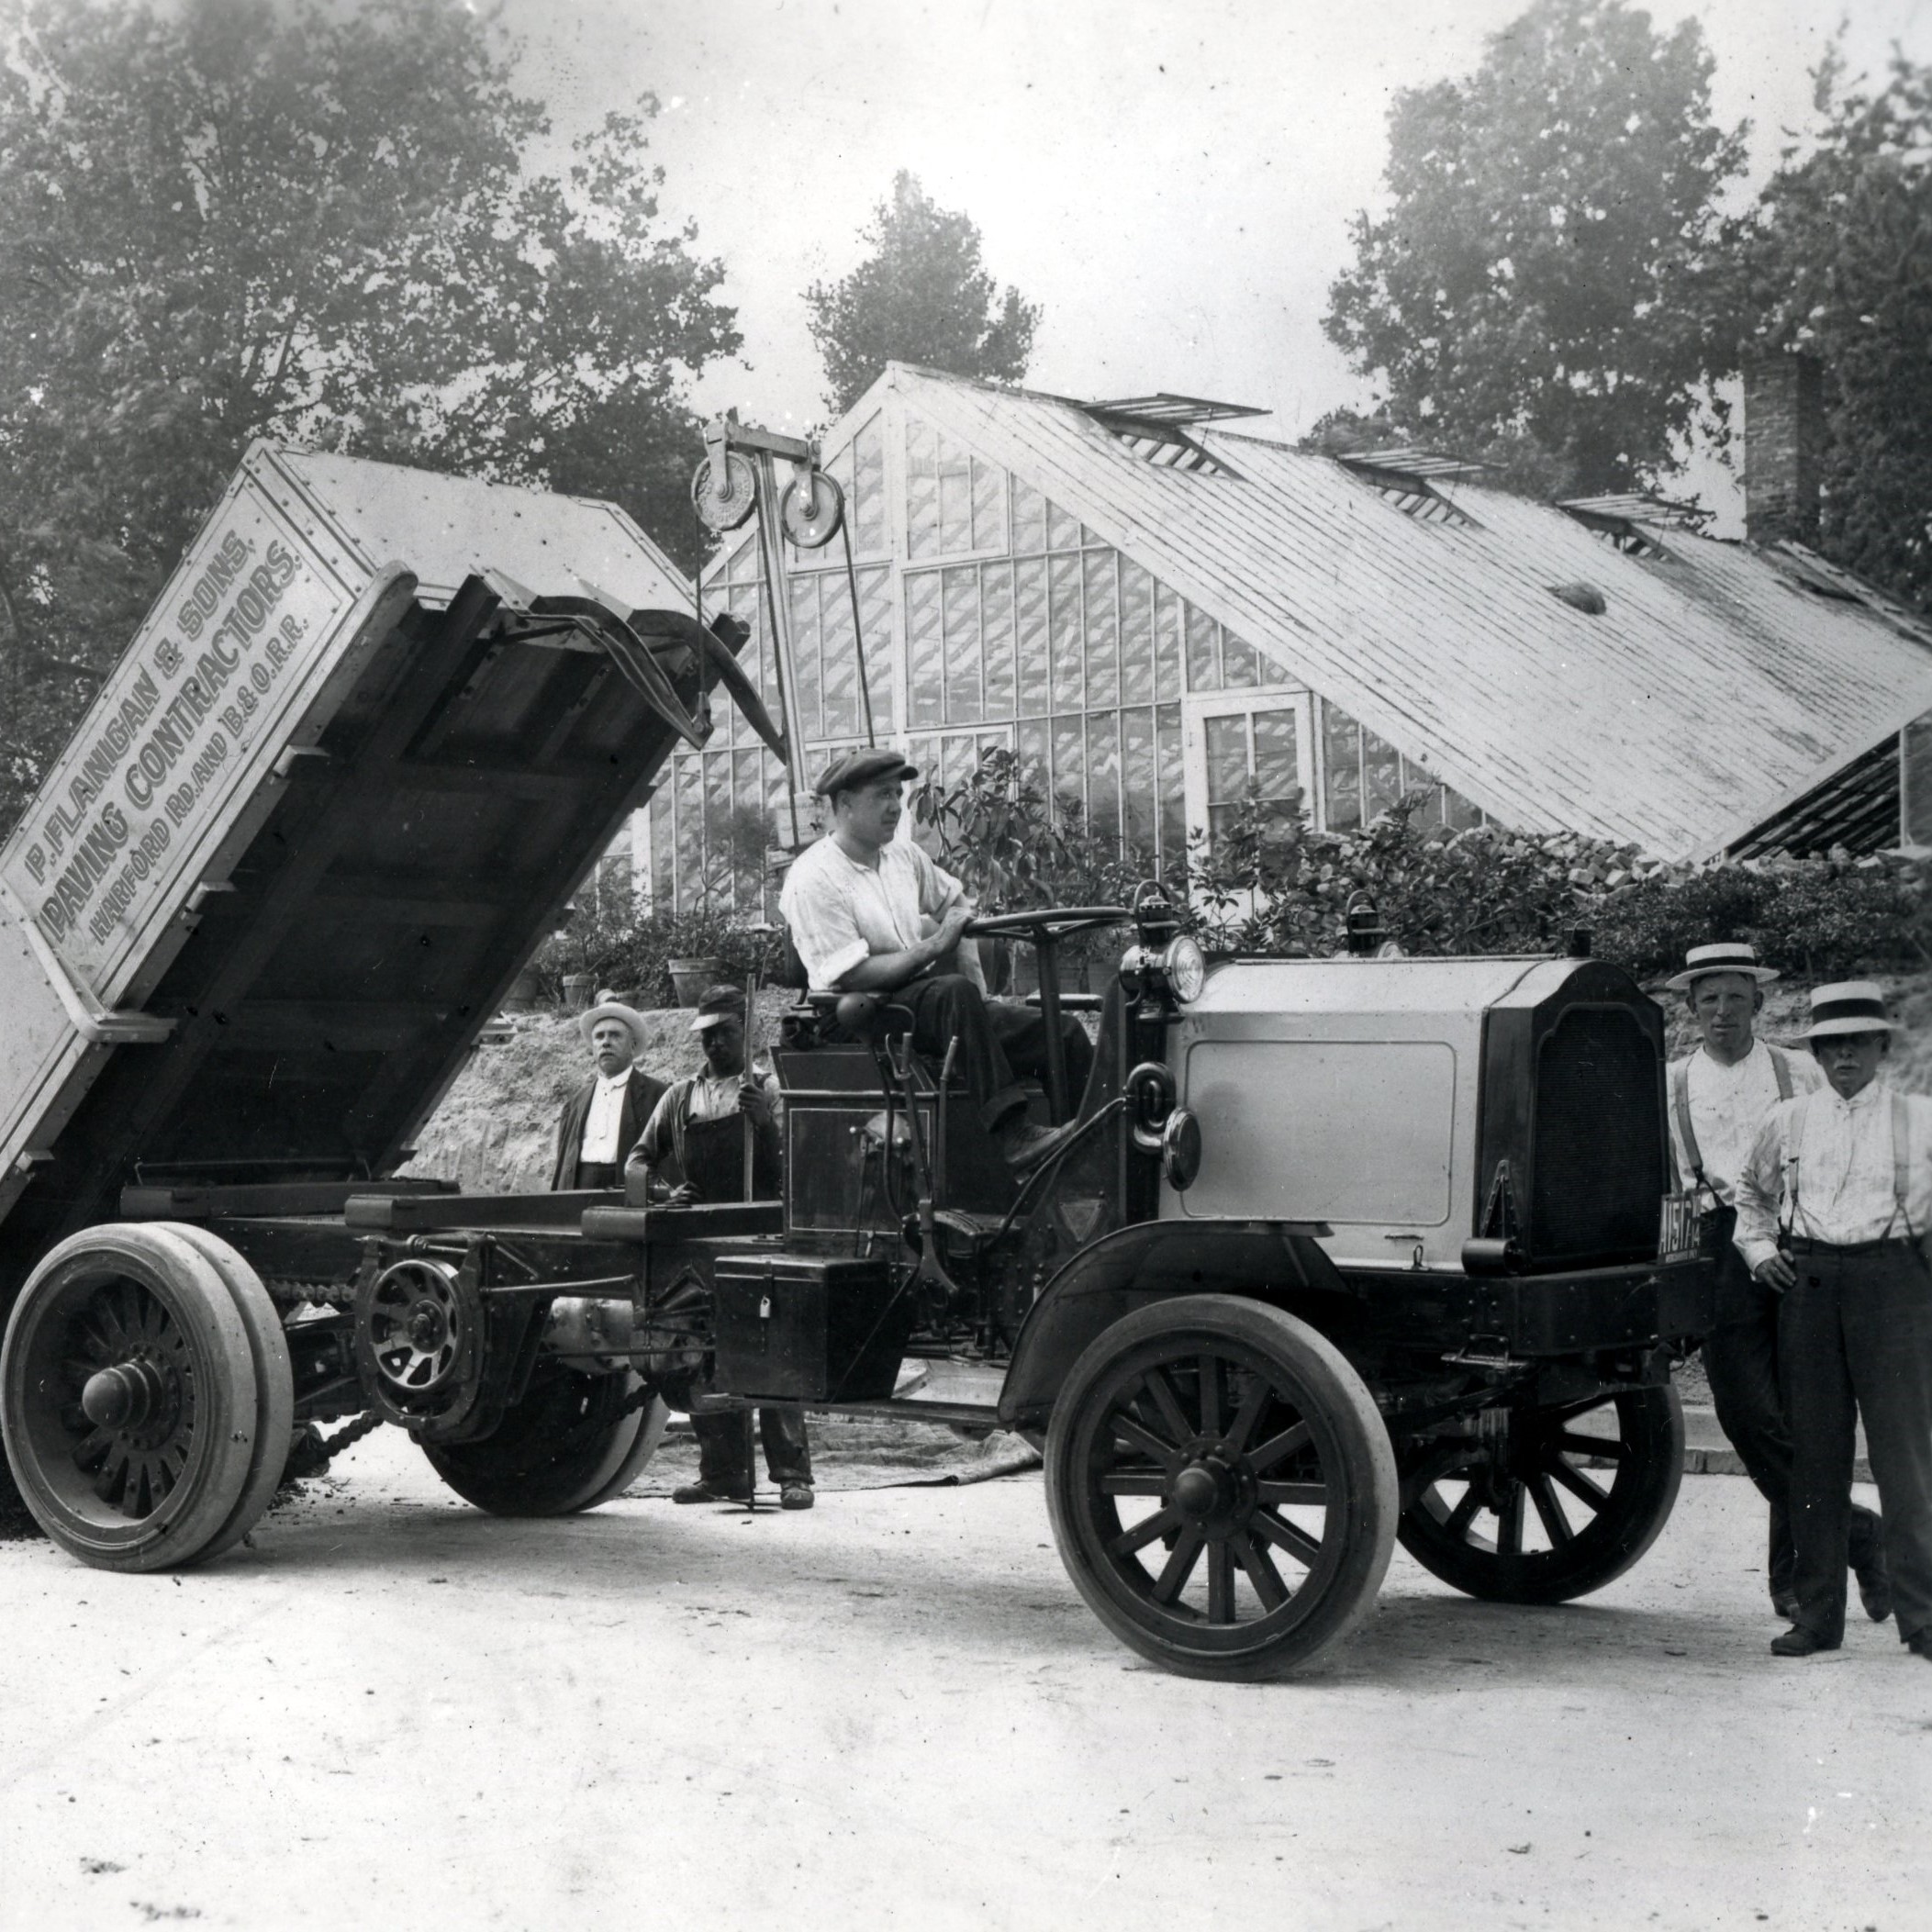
(136,1398)
(1210,1489)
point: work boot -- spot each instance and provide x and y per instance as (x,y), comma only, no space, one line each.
(1799,1642)
(796,1496)
(1874,1582)
(1026,1144)
(708,1492)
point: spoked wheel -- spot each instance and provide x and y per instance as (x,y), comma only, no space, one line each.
(575,1441)
(1221,1488)
(131,1405)
(1552,1504)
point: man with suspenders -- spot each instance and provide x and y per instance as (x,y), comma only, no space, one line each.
(1833,1205)
(1719,1098)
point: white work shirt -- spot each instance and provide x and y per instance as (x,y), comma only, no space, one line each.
(605,1116)
(714,1096)
(842,913)
(1729,1105)
(1843,1180)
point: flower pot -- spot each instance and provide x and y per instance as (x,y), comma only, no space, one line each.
(689,978)
(579,991)
(525,990)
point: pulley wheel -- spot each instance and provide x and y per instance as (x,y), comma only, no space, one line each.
(724,500)
(419,1333)
(811,509)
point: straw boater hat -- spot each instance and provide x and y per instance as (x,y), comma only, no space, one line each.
(1728,955)
(720,1003)
(613,1010)
(1852,1006)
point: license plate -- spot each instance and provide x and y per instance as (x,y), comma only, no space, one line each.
(1679,1236)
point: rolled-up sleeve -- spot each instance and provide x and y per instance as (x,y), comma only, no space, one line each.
(824,927)
(1757,1235)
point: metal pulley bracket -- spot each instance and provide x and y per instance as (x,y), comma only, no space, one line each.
(812,508)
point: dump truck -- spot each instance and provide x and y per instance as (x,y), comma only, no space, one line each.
(1330,1252)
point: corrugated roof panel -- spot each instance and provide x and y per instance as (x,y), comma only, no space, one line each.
(1710,689)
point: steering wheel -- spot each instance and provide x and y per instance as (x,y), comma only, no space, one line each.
(1044,928)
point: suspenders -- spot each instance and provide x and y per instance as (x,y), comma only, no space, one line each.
(1901,1177)
(1680,1103)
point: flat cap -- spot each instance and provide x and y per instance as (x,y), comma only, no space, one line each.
(720,1003)
(862,768)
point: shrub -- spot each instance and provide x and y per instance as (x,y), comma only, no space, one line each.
(632,954)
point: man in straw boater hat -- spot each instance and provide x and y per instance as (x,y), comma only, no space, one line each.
(871,913)
(603,1117)
(1720,1097)
(1833,1204)
(714,1137)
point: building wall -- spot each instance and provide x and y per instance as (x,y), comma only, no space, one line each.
(991,616)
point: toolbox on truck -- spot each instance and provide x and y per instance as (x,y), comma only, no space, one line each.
(810,1329)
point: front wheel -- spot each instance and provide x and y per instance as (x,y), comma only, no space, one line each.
(1551,1503)
(575,1441)
(1221,1488)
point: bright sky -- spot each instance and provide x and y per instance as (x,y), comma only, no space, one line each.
(1170,179)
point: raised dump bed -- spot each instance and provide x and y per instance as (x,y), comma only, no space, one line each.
(346,776)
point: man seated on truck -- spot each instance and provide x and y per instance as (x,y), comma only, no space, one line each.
(858,904)
(714,1136)
(602,1118)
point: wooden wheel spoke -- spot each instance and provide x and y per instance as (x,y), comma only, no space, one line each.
(1179,1565)
(1221,1584)
(1132,1483)
(1210,1395)
(1610,1447)
(1261,1572)
(1287,1535)
(1277,1494)
(1143,1532)
(1248,1415)
(1578,1484)
(1137,1436)
(1156,1384)
(1549,1510)
(1277,1449)
(1509,1523)
(1457,1523)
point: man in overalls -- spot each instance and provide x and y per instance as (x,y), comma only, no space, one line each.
(1720,1098)
(714,1136)
(1832,1206)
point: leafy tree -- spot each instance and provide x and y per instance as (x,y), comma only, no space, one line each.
(1836,260)
(1526,298)
(920,296)
(290,219)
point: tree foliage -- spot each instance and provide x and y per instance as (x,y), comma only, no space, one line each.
(316,223)
(1526,298)
(921,296)
(1836,260)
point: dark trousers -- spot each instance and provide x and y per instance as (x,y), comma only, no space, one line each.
(1855,1339)
(997,1039)
(722,1450)
(1740,1358)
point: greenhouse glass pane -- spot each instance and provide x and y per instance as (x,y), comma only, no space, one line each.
(1103,628)
(1170,770)
(921,488)
(805,656)
(1458,813)
(1169,678)
(1341,779)
(924,670)
(1070,764)
(1030,649)
(870,532)
(743,563)
(1203,652)
(750,833)
(1415,779)
(989,506)
(1381,775)
(996,608)
(1239,669)
(1064,579)
(1139,809)
(1103,774)
(1062,532)
(875,621)
(956,498)
(688,785)
(1226,758)
(964,703)
(1029,518)
(1035,758)
(664,851)
(838,653)
(1277,773)
(1137,634)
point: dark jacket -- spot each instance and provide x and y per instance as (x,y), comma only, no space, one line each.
(641,1098)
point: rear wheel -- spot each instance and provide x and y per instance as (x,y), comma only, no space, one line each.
(130,1402)
(575,1441)
(1221,1488)
(1550,1505)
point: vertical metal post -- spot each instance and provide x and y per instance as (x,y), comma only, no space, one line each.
(778,602)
